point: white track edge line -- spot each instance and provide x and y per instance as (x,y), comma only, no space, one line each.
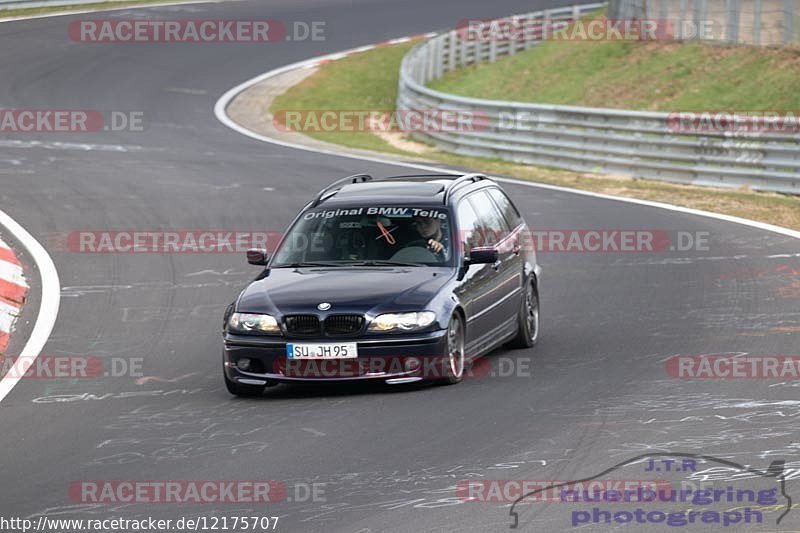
(221,106)
(48,308)
(82,11)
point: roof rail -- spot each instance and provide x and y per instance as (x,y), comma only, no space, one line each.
(406,176)
(472,178)
(355,178)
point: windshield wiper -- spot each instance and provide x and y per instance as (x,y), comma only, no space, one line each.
(301,264)
(382,262)
(355,262)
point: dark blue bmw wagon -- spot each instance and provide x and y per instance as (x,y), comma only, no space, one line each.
(397,279)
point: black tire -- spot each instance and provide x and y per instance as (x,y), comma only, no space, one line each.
(527,319)
(240,389)
(455,359)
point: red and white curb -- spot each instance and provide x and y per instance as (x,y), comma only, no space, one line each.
(48,307)
(13,288)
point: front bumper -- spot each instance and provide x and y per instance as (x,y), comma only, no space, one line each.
(395,359)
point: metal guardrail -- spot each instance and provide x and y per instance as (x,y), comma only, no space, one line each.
(636,143)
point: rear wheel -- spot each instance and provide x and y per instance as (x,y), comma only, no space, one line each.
(240,389)
(454,363)
(528,319)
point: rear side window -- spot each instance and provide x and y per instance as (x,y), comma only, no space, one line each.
(510,212)
(492,225)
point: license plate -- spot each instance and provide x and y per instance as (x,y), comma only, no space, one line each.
(345,350)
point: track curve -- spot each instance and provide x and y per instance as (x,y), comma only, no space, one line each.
(388,458)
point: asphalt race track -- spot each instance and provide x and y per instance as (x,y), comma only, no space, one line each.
(386,458)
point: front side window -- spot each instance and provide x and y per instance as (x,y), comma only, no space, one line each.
(469,235)
(368,235)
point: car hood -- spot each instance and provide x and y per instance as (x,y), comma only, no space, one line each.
(347,290)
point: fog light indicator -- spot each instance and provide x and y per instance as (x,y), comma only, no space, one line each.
(243,364)
(412,364)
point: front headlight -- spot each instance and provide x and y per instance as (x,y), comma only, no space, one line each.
(402,321)
(253,324)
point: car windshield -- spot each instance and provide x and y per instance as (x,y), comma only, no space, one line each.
(368,236)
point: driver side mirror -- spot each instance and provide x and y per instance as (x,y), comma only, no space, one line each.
(257,256)
(480,256)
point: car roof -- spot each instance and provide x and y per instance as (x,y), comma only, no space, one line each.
(423,190)
(390,191)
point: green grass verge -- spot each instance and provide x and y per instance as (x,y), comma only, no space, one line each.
(638,75)
(366,81)
(369,81)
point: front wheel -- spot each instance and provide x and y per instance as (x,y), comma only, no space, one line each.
(528,319)
(454,363)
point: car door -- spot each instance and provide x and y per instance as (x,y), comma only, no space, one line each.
(516,259)
(474,286)
(504,287)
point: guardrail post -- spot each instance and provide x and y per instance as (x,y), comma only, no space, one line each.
(522,41)
(621,12)
(732,27)
(729,21)
(462,52)
(699,15)
(512,41)
(613,9)
(738,19)
(428,72)
(544,25)
(438,57)
(634,9)
(788,21)
(451,55)
(757,22)
(477,50)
